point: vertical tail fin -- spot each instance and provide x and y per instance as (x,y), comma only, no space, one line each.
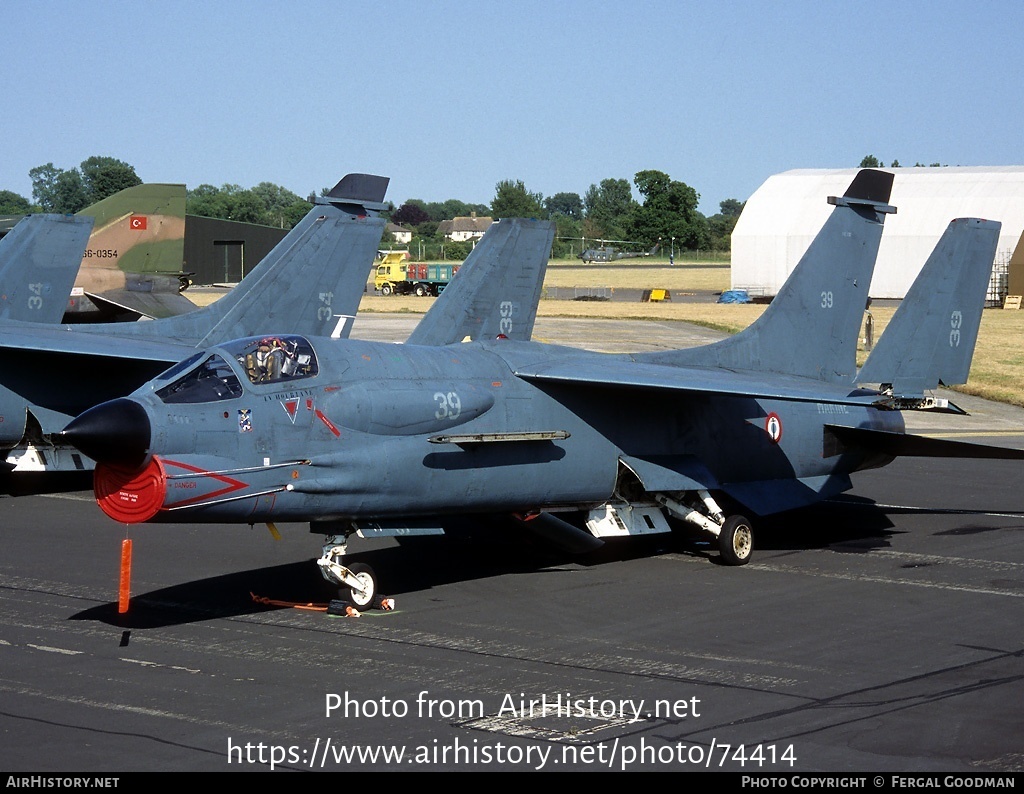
(931,337)
(812,326)
(496,290)
(39,260)
(310,283)
(144,227)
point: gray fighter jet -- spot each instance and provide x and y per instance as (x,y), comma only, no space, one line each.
(310,283)
(470,418)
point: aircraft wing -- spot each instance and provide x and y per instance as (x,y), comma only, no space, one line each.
(595,371)
(67,371)
(53,341)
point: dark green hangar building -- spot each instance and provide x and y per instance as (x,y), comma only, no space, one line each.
(222,252)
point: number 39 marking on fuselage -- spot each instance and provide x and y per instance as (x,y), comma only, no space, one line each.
(449,406)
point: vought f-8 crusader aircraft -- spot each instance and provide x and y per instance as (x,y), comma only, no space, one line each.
(311,282)
(471,418)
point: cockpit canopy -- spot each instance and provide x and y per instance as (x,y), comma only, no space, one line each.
(274,358)
(263,359)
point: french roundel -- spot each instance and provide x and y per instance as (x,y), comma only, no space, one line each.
(773,427)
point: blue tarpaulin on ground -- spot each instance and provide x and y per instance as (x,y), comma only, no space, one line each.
(734,296)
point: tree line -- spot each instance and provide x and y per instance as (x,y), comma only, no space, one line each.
(666,214)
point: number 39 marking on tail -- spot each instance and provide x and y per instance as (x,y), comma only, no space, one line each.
(955,321)
(505,324)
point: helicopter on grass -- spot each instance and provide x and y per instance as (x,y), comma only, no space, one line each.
(604,252)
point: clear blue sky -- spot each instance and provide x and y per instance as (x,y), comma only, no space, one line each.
(449,98)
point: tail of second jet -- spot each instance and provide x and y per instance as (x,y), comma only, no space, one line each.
(39,260)
(310,283)
(930,339)
(812,326)
(496,291)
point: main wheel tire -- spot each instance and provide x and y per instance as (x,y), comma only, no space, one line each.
(420,290)
(385,289)
(364,573)
(736,540)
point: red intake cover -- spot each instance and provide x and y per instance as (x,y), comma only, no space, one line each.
(131,496)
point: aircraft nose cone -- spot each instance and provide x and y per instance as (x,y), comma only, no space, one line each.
(116,432)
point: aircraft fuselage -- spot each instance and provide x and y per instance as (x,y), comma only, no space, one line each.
(383,430)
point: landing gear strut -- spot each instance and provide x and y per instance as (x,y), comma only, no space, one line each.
(358,581)
(734,534)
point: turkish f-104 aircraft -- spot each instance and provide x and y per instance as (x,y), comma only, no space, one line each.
(369,439)
(310,283)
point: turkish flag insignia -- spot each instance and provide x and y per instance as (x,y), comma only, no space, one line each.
(138,222)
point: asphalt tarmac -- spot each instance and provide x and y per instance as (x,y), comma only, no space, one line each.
(878,633)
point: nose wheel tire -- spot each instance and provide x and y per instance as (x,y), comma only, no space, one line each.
(363,599)
(736,540)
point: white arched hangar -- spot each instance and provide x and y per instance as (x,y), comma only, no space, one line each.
(784,214)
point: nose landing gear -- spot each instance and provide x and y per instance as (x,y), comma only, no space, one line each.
(358,581)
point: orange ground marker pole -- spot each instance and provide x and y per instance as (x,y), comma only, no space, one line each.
(126,576)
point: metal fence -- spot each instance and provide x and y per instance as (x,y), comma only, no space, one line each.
(578,293)
(998,284)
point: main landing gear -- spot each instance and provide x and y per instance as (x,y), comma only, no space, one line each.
(736,540)
(734,533)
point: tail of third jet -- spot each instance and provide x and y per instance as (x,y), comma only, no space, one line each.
(496,290)
(930,339)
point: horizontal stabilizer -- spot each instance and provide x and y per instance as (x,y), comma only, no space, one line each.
(151,305)
(907,445)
